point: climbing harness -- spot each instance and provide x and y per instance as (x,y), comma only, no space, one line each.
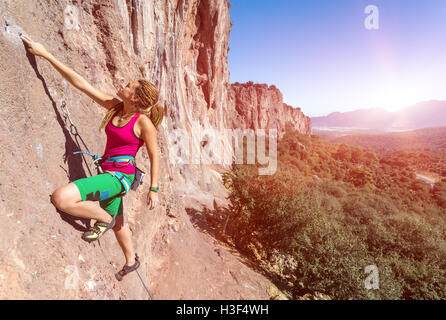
(126,159)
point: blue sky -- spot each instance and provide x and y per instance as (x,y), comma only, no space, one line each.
(322,58)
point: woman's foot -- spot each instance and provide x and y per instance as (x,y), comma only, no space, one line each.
(127,269)
(98,230)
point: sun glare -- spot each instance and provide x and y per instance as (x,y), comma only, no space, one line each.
(394,97)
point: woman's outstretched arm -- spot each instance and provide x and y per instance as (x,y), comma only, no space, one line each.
(75,79)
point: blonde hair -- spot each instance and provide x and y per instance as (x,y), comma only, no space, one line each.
(148,98)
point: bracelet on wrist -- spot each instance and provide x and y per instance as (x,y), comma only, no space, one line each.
(154,189)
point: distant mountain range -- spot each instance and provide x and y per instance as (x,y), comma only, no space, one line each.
(425,114)
(429,138)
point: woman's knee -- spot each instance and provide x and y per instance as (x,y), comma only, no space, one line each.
(65,196)
(56,197)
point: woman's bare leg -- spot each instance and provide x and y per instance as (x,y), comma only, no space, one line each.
(124,237)
(68,199)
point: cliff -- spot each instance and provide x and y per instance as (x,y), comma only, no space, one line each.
(179,45)
(259,106)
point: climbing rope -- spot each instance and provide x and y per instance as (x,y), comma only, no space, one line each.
(73,130)
(147,290)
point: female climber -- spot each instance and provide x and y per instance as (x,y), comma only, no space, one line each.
(129,123)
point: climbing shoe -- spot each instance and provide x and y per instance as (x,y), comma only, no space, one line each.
(127,269)
(97,230)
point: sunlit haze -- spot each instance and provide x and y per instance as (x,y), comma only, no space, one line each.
(322,58)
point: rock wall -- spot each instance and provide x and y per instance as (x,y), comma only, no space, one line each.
(179,45)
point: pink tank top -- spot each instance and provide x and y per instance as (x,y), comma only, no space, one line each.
(121,141)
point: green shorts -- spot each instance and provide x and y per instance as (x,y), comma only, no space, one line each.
(103,188)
